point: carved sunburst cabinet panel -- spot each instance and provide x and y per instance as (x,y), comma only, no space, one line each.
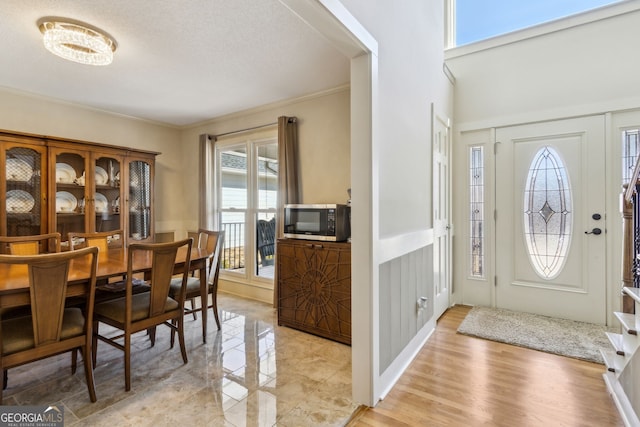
(314,287)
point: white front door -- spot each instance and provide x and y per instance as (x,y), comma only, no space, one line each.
(441,215)
(550,219)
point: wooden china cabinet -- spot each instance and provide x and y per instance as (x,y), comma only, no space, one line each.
(314,287)
(75,186)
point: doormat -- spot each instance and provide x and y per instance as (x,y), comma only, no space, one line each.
(569,338)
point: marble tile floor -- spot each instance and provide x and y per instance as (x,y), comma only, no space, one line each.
(251,373)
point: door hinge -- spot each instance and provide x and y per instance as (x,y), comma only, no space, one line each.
(495,214)
(495,147)
(495,281)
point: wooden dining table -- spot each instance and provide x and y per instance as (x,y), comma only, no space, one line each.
(14,280)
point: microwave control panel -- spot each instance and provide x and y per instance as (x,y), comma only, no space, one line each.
(331,222)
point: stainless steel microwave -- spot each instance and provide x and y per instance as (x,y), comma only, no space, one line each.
(329,222)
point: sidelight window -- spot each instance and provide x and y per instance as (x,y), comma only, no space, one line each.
(476,214)
(630,151)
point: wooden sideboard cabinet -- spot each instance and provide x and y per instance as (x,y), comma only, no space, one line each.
(314,287)
(54,184)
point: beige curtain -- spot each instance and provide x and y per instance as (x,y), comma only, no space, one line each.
(288,178)
(206,218)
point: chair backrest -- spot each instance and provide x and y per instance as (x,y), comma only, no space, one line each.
(266,237)
(213,242)
(30,245)
(103,240)
(48,279)
(163,259)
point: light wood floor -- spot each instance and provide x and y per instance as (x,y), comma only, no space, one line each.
(458,380)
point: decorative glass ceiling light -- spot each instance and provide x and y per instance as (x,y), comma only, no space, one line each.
(77,42)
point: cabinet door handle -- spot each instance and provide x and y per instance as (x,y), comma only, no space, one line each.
(318,246)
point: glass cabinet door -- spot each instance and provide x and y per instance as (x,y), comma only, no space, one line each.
(71,201)
(25,211)
(140,199)
(107,193)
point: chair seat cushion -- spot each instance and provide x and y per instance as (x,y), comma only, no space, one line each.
(111,293)
(193,286)
(115,309)
(17,333)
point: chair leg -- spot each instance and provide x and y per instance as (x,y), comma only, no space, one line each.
(88,372)
(152,335)
(214,306)
(173,333)
(183,347)
(94,343)
(74,360)
(127,361)
(5,380)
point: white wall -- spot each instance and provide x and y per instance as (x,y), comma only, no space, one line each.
(410,37)
(589,68)
(582,66)
(407,79)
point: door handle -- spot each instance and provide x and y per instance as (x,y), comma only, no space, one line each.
(595,231)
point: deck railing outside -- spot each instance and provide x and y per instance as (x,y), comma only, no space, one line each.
(233,251)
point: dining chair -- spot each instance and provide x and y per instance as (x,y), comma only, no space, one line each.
(140,312)
(30,245)
(213,242)
(27,245)
(50,328)
(103,240)
(266,239)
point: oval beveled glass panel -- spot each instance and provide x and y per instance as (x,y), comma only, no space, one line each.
(548,215)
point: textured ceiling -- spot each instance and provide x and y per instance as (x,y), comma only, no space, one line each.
(178,62)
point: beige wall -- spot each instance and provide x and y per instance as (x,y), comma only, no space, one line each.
(25,113)
(323,133)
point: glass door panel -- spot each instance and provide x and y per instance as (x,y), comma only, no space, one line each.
(71,180)
(233,207)
(107,194)
(139,200)
(24,206)
(266,202)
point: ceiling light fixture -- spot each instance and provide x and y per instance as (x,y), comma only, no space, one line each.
(77,42)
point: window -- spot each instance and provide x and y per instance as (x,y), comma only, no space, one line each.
(477,20)
(247,183)
(630,151)
(476,214)
(548,213)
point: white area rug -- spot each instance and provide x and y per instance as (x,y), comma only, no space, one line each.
(558,336)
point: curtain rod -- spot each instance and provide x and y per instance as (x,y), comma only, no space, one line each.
(291,120)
